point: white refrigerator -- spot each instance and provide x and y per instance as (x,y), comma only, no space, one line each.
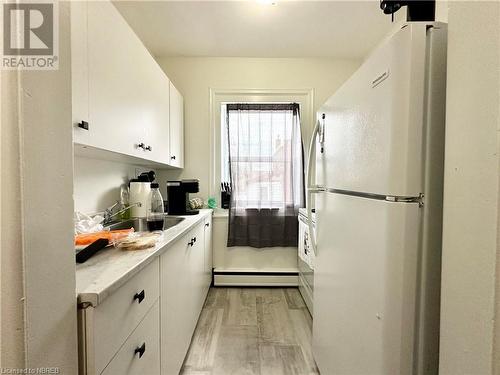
(378,149)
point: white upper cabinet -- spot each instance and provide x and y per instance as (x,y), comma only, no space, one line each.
(79,72)
(176,127)
(118,88)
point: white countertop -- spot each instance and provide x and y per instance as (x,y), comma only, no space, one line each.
(110,268)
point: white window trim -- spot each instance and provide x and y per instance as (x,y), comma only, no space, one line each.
(304,97)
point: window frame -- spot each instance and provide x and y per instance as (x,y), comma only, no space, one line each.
(304,97)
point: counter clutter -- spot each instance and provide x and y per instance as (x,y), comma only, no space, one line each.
(105,272)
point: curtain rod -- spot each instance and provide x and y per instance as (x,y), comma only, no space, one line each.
(262,106)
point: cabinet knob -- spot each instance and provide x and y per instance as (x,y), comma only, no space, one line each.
(140,296)
(172,157)
(141,145)
(83,125)
(193,239)
(148,148)
(191,243)
(207,224)
(141,350)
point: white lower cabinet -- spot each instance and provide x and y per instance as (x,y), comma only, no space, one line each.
(208,267)
(140,354)
(121,312)
(183,293)
(156,310)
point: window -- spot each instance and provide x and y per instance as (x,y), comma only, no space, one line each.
(261,149)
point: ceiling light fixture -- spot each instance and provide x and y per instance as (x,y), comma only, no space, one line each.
(268,2)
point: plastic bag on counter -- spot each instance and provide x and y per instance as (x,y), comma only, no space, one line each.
(87,224)
(138,240)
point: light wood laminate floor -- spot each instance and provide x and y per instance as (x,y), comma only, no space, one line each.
(264,331)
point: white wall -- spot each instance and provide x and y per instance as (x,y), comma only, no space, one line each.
(97,182)
(36,137)
(471,196)
(194,77)
(12,352)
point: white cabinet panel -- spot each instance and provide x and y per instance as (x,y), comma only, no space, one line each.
(176,128)
(175,305)
(79,70)
(198,272)
(118,88)
(158,134)
(127,98)
(121,312)
(183,291)
(140,354)
(208,253)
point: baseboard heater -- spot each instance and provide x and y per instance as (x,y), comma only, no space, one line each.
(254,278)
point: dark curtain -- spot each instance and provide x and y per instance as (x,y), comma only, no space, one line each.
(266,172)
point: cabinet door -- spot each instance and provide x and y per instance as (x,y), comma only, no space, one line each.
(176,127)
(198,271)
(175,308)
(128,96)
(181,297)
(79,71)
(140,353)
(158,134)
(208,252)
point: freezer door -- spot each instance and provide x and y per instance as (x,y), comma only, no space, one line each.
(374,123)
(365,283)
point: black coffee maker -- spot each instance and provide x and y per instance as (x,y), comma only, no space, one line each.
(178,196)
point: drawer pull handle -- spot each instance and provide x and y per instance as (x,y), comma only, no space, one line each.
(191,243)
(207,224)
(142,145)
(140,296)
(148,148)
(141,350)
(194,240)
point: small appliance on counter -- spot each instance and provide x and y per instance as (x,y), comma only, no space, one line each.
(178,196)
(140,188)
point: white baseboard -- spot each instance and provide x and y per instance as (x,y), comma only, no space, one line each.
(256,280)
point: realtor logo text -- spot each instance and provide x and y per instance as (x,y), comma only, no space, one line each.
(30,36)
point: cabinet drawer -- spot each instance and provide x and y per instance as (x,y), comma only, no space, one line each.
(120,313)
(144,339)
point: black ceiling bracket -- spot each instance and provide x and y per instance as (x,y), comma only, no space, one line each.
(417,10)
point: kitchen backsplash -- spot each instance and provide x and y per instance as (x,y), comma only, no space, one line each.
(97,182)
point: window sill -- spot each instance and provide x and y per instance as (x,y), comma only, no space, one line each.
(221,213)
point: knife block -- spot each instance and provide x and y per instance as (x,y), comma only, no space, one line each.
(225,199)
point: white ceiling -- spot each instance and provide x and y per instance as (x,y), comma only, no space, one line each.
(340,29)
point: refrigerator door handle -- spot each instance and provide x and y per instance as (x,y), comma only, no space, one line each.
(312,188)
